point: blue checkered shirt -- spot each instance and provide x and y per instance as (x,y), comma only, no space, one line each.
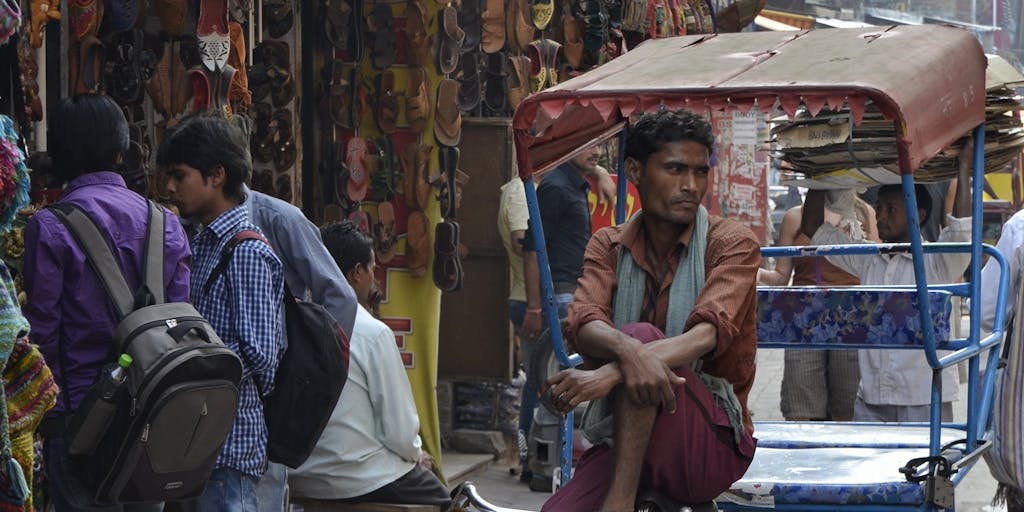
(244,307)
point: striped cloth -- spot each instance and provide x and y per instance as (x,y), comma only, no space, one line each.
(30,392)
(1006,458)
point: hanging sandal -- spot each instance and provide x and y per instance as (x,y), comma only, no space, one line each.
(470,21)
(417,100)
(280,17)
(448,119)
(385,42)
(417,243)
(284,140)
(449,40)
(495,94)
(387,103)
(337,23)
(85,18)
(385,235)
(447,271)
(43,12)
(518,80)
(416,29)
(493,21)
(469,82)
(355,154)
(541,12)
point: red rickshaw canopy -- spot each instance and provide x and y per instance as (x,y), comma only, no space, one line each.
(928,79)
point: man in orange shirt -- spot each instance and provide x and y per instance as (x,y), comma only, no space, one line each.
(668,385)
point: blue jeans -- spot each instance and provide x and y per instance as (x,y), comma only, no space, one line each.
(270,490)
(229,490)
(67,492)
(531,389)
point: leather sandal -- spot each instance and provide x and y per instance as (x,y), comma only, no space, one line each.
(495,96)
(469,82)
(448,160)
(447,271)
(417,243)
(280,17)
(262,141)
(450,40)
(212,33)
(416,25)
(572,34)
(383,181)
(341,108)
(355,161)
(470,21)
(43,12)
(284,140)
(518,80)
(283,188)
(88,67)
(415,158)
(448,118)
(263,181)
(519,29)
(385,234)
(385,42)
(387,102)
(123,74)
(240,93)
(493,20)
(282,90)
(543,64)
(417,100)
(337,16)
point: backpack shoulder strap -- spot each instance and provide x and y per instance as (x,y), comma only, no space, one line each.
(97,253)
(153,255)
(225,255)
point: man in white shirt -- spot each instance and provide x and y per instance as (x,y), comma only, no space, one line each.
(370,450)
(1011,244)
(895,385)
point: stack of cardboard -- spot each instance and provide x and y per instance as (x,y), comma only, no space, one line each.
(829,146)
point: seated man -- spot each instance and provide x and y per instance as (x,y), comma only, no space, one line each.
(370,450)
(664,317)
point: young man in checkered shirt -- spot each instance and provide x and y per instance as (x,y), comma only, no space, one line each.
(208,164)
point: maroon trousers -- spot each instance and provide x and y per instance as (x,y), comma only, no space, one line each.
(692,455)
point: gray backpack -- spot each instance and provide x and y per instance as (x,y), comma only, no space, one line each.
(150,430)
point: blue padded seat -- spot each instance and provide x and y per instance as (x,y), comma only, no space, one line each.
(793,434)
(856,316)
(826,476)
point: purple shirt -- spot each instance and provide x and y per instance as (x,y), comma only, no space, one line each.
(71,316)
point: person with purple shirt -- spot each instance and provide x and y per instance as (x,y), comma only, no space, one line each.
(71,316)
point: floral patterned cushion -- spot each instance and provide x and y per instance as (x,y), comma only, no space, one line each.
(885,317)
(825,476)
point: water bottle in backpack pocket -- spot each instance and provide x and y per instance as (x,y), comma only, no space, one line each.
(95,413)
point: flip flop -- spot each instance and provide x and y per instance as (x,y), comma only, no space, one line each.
(337,23)
(470,21)
(385,236)
(493,20)
(417,100)
(448,159)
(355,155)
(495,94)
(385,42)
(212,32)
(447,271)
(340,98)
(387,103)
(450,38)
(469,82)
(417,243)
(448,119)
(416,25)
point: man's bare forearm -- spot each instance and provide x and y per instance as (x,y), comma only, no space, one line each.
(602,341)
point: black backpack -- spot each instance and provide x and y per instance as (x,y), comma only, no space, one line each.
(155,434)
(309,378)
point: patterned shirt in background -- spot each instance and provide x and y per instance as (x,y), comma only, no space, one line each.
(728,299)
(243,305)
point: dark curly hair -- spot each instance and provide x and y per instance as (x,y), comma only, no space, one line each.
(347,244)
(205,142)
(655,129)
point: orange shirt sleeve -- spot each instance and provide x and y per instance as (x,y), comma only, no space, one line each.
(729,297)
(595,289)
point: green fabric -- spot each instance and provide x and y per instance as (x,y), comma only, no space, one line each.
(630,287)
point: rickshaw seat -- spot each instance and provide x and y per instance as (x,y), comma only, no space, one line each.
(856,316)
(828,476)
(819,434)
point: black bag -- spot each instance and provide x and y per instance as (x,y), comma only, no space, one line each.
(309,378)
(155,435)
